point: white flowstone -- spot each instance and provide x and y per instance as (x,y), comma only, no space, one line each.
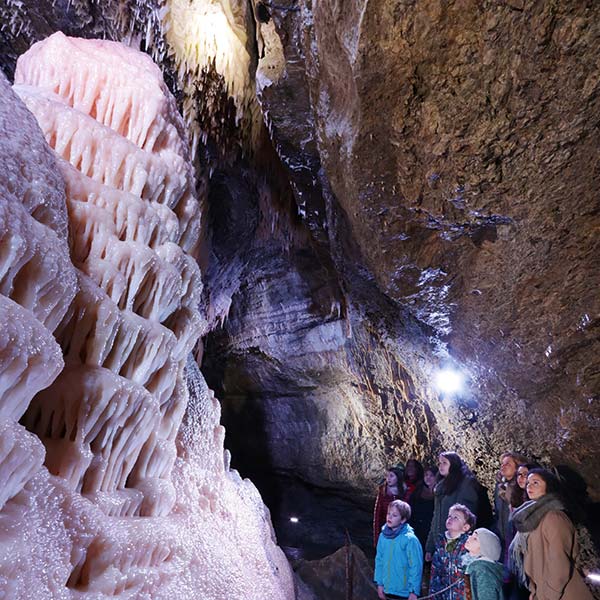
(132,502)
(35,270)
(116,85)
(27,166)
(30,358)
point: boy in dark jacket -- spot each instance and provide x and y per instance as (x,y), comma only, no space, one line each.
(447,566)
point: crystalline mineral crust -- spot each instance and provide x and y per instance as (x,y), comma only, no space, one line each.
(115,480)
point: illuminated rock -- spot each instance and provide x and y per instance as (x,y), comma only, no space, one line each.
(37,284)
(123,136)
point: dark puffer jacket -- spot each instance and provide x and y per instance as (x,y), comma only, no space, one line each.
(466,493)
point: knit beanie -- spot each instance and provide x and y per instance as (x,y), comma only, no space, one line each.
(489,543)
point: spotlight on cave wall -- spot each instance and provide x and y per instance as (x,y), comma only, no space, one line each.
(594,577)
(449,381)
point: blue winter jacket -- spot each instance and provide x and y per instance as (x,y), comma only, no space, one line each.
(399,561)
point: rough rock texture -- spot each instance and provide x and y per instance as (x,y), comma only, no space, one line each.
(444,157)
(482,188)
(432,199)
(329,578)
(459,141)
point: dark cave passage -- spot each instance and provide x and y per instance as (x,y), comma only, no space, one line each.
(310,520)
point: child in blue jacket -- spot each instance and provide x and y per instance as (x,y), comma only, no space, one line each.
(399,558)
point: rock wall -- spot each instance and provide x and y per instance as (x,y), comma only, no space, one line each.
(456,150)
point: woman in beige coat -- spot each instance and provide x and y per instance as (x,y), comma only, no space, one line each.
(545,548)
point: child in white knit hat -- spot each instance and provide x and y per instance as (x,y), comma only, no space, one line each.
(485,571)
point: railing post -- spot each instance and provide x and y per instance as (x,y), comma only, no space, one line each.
(349,568)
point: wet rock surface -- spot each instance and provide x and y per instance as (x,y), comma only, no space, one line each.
(333,577)
(459,144)
(432,198)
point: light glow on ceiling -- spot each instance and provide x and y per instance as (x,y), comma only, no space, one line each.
(205,34)
(449,381)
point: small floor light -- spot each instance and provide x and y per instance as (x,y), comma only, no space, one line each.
(294,519)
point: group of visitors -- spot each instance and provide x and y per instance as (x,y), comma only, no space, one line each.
(525,550)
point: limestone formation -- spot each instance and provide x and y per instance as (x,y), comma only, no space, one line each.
(106,394)
(37,284)
(424,194)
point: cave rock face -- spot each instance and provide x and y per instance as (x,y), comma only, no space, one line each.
(455,146)
(107,490)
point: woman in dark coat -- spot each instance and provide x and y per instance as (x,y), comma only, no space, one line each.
(457,486)
(421,503)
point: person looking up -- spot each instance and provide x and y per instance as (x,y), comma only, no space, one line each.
(509,463)
(413,476)
(421,503)
(399,557)
(517,495)
(545,547)
(504,490)
(485,573)
(447,566)
(456,486)
(392,488)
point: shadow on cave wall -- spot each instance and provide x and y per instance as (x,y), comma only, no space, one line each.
(310,522)
(255,244)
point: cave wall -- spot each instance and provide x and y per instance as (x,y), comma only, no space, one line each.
(456,146)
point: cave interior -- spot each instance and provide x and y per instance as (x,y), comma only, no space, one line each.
(372,195)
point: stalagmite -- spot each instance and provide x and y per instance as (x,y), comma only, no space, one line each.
(126,137)
(107,493)
(37,284)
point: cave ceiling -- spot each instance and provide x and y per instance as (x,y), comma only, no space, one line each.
(392,187)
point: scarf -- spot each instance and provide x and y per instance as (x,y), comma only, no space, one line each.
(453,542)
(390,533)
(525,519)
(468,558)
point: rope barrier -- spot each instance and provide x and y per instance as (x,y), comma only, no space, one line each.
(442,591)
(439,592)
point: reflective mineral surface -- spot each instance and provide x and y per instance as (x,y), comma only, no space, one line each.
(106,491)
